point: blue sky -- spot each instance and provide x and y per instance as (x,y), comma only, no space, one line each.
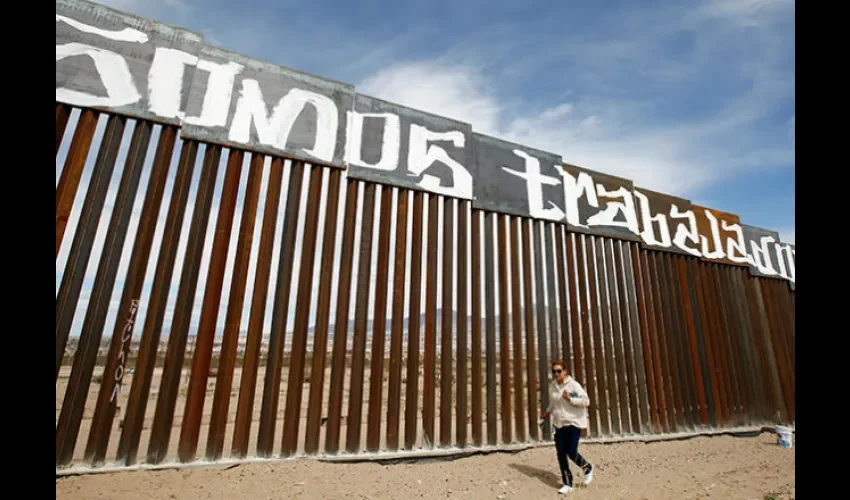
(695,99)
(691,98)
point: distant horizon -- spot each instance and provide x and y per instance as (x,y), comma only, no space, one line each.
(331,327)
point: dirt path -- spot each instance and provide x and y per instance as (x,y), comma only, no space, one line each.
(722,467)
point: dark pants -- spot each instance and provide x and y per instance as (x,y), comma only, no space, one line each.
(566,444)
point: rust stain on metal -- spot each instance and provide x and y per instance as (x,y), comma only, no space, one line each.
(652,304)
(704,333)
(280,314)
(625,349)
(516,318)
(447,313)
(332,436)
(543,356)
(686,287)
(63,113)
(205,335)
(685,360)
(586,328)
(475,369)
(764,382)
(606,309)
(735,340)
(778,345)
(81,247)
(504,337)
(70,417)
(429,361)
(128,444)
(662,312)
(636,332)
(726,355)
(119,349)
(75,161)
(411,398)
(530,356)
(624,366)
(177,338)
(570,351)
(490,325)
(248,382)
(295,386)
(235,305)
(718,358)
(462,314)
(675,336)
(601,383)
(364,270)
(575,281)
(323,313)
(379,326)
(397,327)
(763,350)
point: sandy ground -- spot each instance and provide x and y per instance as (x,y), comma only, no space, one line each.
(723,467)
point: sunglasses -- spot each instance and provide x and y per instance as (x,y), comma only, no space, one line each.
(556,372)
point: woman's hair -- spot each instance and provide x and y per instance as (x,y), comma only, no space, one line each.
(560,362)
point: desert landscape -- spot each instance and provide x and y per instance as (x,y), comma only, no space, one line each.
(723,467)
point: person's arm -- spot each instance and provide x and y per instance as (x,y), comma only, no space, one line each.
(553,394)
(582,399)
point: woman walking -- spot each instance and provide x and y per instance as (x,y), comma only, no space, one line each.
(568,411)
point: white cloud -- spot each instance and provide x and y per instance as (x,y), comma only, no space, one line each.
(608,137)
(454,91)
(675,98)
(558,112)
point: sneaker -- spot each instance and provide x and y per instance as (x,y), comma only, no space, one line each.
(565,489)
(588,477)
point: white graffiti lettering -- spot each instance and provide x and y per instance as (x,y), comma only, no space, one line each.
(785,255)
(648,234)
(534,181)
(111,67)
(761,255)
(165,86)
(422,155)
(114,75)
(575,188)
(736,249)
(125,337)
(217,96)
(607,216)
(165,81)
(274,130)
(390,141)
(685,233)
(718,252)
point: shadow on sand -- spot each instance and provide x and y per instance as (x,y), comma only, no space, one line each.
(548,478)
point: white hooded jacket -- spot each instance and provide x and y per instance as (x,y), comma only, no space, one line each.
(563,412)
